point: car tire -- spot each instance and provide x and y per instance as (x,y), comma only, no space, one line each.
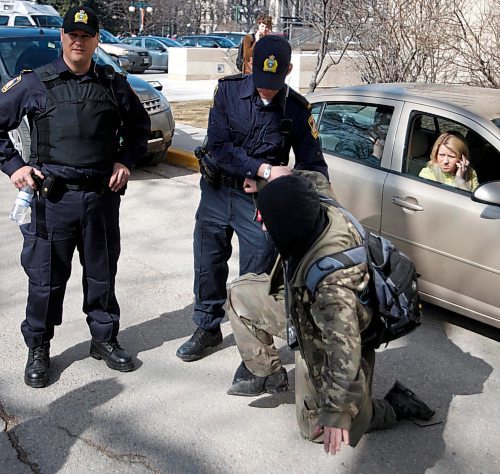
(22,141)
(153,158)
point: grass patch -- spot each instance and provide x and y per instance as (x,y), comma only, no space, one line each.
(191,112)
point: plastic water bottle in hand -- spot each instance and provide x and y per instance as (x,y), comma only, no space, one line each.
(21,205)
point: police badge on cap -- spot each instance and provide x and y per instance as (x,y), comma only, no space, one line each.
(81,18)
(271,58)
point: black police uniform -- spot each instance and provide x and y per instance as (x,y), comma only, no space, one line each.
(243,133)
(80,126)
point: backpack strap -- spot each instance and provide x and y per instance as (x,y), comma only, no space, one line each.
(331,263)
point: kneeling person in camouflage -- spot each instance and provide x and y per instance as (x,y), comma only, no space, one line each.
(333,371)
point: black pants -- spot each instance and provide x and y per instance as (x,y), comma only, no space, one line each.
(88,221)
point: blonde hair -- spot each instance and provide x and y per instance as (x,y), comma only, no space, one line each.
(456,145)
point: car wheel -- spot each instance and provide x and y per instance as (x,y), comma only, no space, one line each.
(22,141)
(153,158)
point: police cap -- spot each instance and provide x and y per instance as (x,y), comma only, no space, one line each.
(271,57)
(81,18)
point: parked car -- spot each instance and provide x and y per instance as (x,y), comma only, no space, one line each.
(28,48)
(452,235)
(234,36)
(138,58)
(157,47)
(205,41)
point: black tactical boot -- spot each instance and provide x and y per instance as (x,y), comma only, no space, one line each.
(36,373)
(247,384)
(202,339)
(406,404)
(114,355)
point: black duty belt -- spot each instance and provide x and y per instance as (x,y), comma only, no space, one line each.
(230,181)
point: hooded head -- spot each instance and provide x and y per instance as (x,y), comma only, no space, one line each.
(291,210)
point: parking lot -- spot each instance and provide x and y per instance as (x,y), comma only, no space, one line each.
(171,416)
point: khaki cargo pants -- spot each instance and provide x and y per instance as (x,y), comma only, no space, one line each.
(255,318)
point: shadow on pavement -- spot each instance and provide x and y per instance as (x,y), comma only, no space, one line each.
(139,338)
(73,419)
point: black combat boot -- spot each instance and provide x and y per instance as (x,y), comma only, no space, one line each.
(36,373)
(202,339)
(114,355)
(247,384)
(406,404)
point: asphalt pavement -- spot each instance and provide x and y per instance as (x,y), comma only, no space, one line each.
(169,416)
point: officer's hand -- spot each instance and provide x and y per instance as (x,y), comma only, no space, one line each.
(278,171)
(22,177)
(119,178)
(333,439)
(250,185)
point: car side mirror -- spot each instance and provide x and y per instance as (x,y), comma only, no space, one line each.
(488,193)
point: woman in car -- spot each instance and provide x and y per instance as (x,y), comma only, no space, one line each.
(449,163)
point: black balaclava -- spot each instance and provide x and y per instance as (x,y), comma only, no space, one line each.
(292,213)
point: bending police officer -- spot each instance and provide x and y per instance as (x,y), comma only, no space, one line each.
(88,128)
(253,123)
(333,372)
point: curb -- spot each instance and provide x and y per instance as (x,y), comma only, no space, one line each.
(183,158)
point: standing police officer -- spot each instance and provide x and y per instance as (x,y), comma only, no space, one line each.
(88,128)
(253,123)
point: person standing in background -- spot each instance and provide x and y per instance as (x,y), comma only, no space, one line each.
(264,27)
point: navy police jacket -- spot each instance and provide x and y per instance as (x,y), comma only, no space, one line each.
(243,132)
(27,95)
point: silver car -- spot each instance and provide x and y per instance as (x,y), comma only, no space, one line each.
(451,234)
(138,58)
(157,47)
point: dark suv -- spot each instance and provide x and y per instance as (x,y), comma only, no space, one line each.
(28,48)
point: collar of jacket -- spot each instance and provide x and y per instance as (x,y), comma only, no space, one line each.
(61,68)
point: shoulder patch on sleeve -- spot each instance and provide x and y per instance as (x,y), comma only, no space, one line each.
(12,83)
(312,125)
(300,98)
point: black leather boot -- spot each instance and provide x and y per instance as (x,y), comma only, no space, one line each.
(114,355)
(202,339)
(36,373)
(246,384)
(406,404)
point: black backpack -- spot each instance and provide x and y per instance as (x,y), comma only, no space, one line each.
(239,57)
(392,293)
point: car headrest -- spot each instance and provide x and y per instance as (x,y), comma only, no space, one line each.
(418,145)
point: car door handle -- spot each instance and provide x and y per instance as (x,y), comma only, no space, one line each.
(406,204)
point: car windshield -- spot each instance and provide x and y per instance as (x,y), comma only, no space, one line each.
(225,43)
(50,21)
(107,37)
(27,53)
(170,42)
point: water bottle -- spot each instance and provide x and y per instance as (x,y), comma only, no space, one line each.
(21,205)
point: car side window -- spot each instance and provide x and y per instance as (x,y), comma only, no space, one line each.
(355,130)
(4,20)
(152,44)
(22,21)
(423,161)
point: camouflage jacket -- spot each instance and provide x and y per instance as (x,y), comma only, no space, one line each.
(328,330)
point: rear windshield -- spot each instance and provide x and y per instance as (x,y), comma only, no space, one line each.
(27,53)
(50,21)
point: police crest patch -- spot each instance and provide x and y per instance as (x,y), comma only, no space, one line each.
(81,17)
(11,83)
(314,129)
(270,64)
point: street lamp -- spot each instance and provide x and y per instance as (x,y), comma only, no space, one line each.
(142,8)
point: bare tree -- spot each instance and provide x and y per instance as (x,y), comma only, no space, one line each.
(404,40)
(475,43)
